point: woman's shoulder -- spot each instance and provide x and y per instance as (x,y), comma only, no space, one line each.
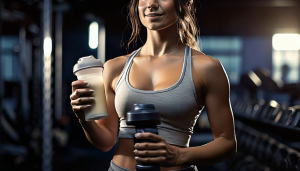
(203,61)
(116,64)
(207,69)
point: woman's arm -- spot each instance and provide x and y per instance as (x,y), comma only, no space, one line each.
(103,133)
(216,99)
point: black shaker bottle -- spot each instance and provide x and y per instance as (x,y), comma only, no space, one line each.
(145,119)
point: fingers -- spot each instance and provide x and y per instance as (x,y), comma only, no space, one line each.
(79,104)
(80,92)
(159,152)
(151,159)
(80,108)
(149,135)
(78,84)
(149,146)
(149,153)
(82,100)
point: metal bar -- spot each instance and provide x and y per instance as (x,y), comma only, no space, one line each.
(23,73)
(28,59)
(47,72)
(36,88)
(58,65)
(1,79)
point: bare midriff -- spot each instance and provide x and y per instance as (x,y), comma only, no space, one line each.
(124,155)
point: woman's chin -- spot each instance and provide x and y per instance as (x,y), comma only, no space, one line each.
(156,28)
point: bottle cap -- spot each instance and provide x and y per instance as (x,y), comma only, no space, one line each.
(87,62)
(143,114)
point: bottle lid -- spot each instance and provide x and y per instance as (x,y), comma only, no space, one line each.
(143,114)
(87,62)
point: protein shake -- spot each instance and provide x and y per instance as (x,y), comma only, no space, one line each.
(90,69)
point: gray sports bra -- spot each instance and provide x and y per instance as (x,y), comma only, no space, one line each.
(178,104)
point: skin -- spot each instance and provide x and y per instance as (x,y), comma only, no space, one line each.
(157,66)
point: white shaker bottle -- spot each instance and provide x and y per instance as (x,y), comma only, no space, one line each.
(90,69)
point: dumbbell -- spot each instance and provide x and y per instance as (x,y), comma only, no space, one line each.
(269,155)
(248,142)
(249,108)
(296,117)
(293,162)
(280,159)
(254,145)
(274,114)
(243,164)
(237,106)
(271,110)
(232,163)
(287,116)
(261,149)
(242,108)
(258,108)
(242,140)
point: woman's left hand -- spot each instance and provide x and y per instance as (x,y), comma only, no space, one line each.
(159,152)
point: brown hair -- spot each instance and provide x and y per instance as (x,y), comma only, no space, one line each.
(186,23)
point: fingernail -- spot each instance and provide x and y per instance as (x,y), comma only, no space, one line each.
(91,90)
(92,98)
(137,135)
(134,146)
(89,105)
(134,151)
(136,158)
(85,82)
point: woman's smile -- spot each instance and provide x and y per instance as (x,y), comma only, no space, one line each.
(153,16)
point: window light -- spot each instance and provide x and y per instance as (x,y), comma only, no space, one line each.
(93,35)
(286,41)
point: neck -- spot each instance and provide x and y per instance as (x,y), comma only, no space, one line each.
(161,42)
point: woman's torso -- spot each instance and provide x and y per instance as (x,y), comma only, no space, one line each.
(149,73)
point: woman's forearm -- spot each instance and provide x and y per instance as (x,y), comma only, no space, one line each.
(98,135)
(216,151)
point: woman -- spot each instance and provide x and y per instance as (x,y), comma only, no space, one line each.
(170,72)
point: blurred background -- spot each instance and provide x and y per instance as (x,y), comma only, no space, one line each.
(257,41)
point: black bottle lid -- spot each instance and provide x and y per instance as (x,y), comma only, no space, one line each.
(143,114)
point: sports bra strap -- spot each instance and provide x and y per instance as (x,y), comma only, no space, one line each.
(125,67)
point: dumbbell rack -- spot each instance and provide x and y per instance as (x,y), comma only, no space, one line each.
(259,151)
(264,132)
(275,119)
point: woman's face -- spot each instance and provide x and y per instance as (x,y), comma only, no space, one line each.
(157,14)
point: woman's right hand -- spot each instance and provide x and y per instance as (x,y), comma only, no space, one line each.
(81,98)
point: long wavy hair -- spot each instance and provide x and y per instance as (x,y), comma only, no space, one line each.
(186,23)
